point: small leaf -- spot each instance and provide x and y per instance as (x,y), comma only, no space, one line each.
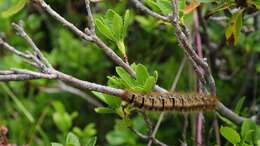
(58,106)
(230,134)
(126,23)
(121,46)
(248,130)
(56,144)
(91,141)
(100,96)
(153,5)
(112,101)
(72,139)
(137,89)
(15,8)
(220,7)
(239,105)
(149,84)
(165,6)
(62,121)
(155,75)
(233,28)
(227,121)
(115,82)
(141,74)
(125,77)
(117,25)
(104,29)
(193,5)
(104,110)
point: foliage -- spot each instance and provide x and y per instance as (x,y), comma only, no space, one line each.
(39,113)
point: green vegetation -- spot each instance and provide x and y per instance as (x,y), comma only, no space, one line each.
(46,112)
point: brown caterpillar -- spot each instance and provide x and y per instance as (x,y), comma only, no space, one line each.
(183,102)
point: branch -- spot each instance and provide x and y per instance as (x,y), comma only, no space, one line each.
(195,60)
(91,23)
(64,87)
(49,71)
(88,37)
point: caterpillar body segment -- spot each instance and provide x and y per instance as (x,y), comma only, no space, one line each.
(183,102)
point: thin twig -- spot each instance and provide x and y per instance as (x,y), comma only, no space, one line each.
(91,23)
(200,85)
(174,84)
(20,31)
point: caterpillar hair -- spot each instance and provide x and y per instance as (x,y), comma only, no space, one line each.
(182,102)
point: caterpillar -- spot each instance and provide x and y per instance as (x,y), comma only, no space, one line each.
(182,102)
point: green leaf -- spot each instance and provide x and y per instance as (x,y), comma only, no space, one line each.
(149,84)
(220,7)
(125,77)
(72,139)
(121,46)
(58,106)
(141,74)
(155,75)
(165,6)
(90,130)
(56,144)
(100,96)
(126,23)
(104,29)
(248,130)
(137,89)
(15,8)
(112,101)
(239,105)
(232,31)
(104,110)
(63,121)
(227,121)
(181,6)
(230,134)
(153,5)
(117,26)
(115,82)
(91,141)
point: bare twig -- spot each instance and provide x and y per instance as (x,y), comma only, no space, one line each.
(91,23)
(64,87)
(193,56)
(200,85)
(174,84)
(66,23)
(90,37)
(156,128)
(20,31)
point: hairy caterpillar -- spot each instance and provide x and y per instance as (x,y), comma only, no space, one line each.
(183,102)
